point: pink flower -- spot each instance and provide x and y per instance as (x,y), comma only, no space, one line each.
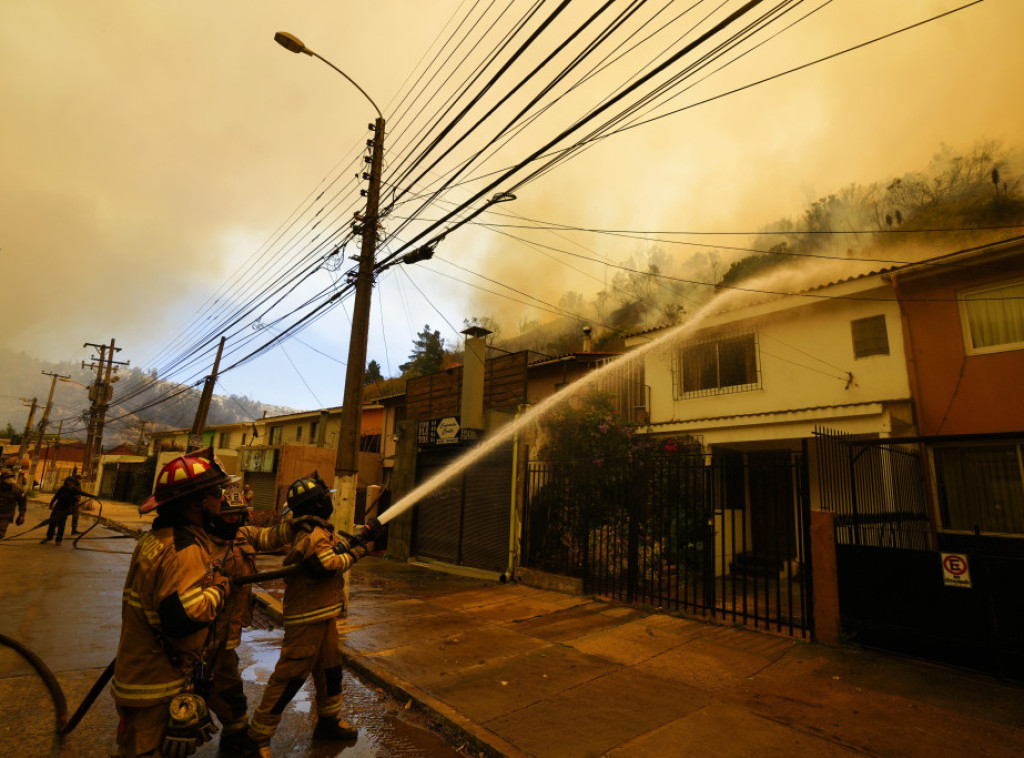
(671,446)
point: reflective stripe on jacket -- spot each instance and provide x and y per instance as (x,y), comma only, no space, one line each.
(171,593)
(240,560)
(316,593)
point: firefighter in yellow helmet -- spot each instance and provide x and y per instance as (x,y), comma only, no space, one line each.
(173,593)
(312,604)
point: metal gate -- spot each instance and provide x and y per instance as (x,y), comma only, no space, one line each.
(264,490)
(889,561)
(466,520)
(722,535)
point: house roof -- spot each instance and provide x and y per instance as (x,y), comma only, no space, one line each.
(581,357)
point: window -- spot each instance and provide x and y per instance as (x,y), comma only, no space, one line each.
(276,434)
(993,318)
(711,367)
(225,439)
(298,432)
(869,336)
(981,487)
(312,430)
(244,435)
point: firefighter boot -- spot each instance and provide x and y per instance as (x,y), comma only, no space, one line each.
(245,746)
(331,728)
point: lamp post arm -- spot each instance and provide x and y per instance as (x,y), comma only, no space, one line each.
(350,79)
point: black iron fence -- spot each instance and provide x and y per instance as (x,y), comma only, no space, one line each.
(721,535)
(876,488)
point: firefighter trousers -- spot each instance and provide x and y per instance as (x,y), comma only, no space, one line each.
(308,649)
(141,730)
(227,697)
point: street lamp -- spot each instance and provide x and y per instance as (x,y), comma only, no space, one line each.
(346,469)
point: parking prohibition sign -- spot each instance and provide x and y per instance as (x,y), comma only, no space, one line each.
(955,571)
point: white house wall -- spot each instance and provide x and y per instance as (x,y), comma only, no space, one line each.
(805,356)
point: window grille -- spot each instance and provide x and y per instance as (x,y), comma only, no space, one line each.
(870,336)
(716,366)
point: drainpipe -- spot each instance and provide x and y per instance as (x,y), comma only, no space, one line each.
(915,389)
(513,526)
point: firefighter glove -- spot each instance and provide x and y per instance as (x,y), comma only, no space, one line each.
(190,726)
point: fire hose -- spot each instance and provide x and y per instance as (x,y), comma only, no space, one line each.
(65,724)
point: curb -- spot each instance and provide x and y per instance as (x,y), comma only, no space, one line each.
(456,727)
(453,724)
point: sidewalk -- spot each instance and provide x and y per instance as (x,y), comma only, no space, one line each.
(518,671)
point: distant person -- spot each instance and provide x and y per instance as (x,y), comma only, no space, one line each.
(12,497)
(312,604)
(63,502)
(247,496)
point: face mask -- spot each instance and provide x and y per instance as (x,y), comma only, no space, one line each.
(218,527)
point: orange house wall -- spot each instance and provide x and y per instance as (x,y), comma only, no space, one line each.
(958,393)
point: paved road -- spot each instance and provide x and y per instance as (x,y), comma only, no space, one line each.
(64,604)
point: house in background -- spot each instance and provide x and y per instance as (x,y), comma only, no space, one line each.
(272,452)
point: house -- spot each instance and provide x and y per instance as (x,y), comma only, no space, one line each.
(272,452)
(467,520)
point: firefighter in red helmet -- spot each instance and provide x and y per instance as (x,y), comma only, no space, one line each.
(173,593)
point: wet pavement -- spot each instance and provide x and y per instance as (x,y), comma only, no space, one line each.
(514,670)
(64,604)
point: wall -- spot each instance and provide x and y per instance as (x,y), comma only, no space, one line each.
(959,393)
(805,354)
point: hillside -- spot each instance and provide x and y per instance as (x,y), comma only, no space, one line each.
(135,396)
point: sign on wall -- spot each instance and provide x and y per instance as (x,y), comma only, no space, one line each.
(955,571)
(438,431)
(259,460)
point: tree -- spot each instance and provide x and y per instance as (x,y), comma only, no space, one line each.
(373,375)
(10,431)
(427,356)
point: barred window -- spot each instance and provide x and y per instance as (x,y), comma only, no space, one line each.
(716,366)
(870,336)
(276,435)
(981,487)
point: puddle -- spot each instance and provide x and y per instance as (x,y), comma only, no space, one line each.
(386,728)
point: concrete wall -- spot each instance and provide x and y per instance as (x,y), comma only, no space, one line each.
(805,353)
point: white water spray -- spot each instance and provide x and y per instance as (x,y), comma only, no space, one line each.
(506,432)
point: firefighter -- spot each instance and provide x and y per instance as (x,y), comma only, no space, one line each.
(173,593)
(238,543)
(61,504)
(312,603)
(12,497)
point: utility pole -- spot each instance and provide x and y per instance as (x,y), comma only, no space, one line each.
(52,453)
(100,394)
(346,468)
(195,439)
(44,422)
(28,430)
(142,434)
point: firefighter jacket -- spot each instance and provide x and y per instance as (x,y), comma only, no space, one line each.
(239,559)
(315,594)
(173,592)
(12,497)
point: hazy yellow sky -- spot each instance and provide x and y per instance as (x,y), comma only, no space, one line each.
(150,149)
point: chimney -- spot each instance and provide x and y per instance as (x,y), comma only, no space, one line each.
(472,407)
(588,343)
